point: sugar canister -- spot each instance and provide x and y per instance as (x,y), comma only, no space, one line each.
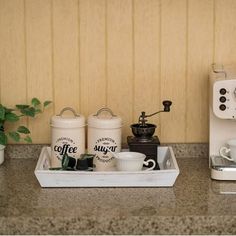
(68,136)
(104,133)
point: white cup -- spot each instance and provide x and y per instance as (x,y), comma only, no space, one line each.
(229,153)
(132,161)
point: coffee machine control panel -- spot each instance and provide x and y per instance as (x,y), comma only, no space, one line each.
(224,99)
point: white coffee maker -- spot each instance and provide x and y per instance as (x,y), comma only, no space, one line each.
(222,120)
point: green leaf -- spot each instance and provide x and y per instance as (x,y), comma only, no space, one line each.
(23,130)
(28,139)
(35,102)
(3,138)
(2,112)
(15,136)
(46,103)
(20,106)
(1,125)
(38,111)
(30,111)
(8,110)
(12,117)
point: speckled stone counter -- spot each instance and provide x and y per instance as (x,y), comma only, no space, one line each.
(193,206)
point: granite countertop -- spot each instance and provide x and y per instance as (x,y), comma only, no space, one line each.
(193,206)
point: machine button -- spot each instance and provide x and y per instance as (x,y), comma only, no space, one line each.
(222,107)
(223,91)
(222,99)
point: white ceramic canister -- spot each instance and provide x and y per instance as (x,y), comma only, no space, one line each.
(104,131)
(68,136)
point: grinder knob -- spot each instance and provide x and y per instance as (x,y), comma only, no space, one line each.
(166,105)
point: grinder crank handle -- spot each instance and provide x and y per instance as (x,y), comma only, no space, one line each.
(166,105)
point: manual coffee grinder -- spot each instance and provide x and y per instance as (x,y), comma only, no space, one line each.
(143,140)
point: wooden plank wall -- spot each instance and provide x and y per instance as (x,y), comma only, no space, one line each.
(128,55)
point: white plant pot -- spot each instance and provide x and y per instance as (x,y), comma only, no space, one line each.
(2,147)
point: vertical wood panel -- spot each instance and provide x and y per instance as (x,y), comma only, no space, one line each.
(173,65)
(92,55)
(13,79)
(120,60)
(147,58)
(66,54)
(200,54)
(39,63)
(12,55)
(126,54)
(225,32)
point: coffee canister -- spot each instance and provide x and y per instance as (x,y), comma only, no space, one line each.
(104,132)
(68,136)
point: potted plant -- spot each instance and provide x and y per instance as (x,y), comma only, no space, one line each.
(11,115)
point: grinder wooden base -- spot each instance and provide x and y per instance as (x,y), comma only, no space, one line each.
(147,147)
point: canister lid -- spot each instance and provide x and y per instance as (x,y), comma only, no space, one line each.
(104,119)
(65,121)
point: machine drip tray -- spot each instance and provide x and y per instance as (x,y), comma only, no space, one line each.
(222,169)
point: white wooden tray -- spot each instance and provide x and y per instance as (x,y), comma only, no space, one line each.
(165,177)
